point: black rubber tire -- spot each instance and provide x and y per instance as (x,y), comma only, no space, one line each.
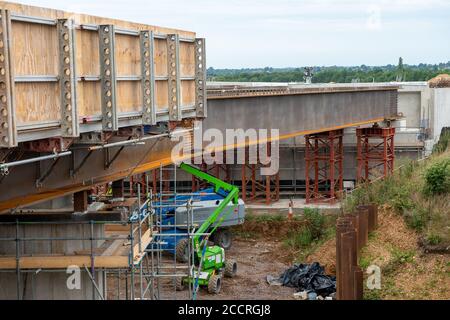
(223,238)
(230,268)
(215,284)
(182,251)
(179,284)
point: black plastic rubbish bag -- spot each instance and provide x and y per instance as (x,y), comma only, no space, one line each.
(309,277)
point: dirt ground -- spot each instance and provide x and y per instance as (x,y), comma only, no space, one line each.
(407,272)
(256,259)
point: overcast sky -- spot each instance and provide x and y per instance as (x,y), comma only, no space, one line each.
(291,33)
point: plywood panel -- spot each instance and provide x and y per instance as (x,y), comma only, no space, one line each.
(187,59)
(37,102)
(87,51)
(129,96)
(35,49)
(128,55)
(187,93)
(162,98)
(160,58)
(89,99)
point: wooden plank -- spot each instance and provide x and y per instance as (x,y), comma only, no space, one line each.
(162,95)
(187,59)
(107,259)
(37,102)
(129,96)
(89,99)
(62,262)
(35,49)
(128,55)
(160,58)
(117,227)
(145,241)
(113,247)
(87,53)
(187,93)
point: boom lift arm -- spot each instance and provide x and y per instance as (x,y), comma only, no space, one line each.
(219,185)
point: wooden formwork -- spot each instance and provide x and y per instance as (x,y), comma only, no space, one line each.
(71,70)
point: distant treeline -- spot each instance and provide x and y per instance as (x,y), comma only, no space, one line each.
(421,72)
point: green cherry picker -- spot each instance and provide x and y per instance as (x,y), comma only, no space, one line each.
(210,264)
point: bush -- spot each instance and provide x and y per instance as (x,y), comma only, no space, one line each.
(443,144)
(437,178)
(417,219)
(401,198)
(315,222)
(300,239)
(408,170)
(434,239)
(401,257)
(313,230)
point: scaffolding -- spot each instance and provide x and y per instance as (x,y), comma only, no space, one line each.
(117,250)
(167,272)
(124,259)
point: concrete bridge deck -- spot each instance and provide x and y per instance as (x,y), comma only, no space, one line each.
(294,112)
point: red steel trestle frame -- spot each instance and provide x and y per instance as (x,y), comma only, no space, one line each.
(220,171)
(324,158)
(153,177)
(265,189)
(375,153)
(154,181)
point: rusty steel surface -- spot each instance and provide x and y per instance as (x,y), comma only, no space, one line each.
(352,231)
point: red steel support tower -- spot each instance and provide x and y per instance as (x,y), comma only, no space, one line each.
(376,153)
(324,159)
(265,189)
